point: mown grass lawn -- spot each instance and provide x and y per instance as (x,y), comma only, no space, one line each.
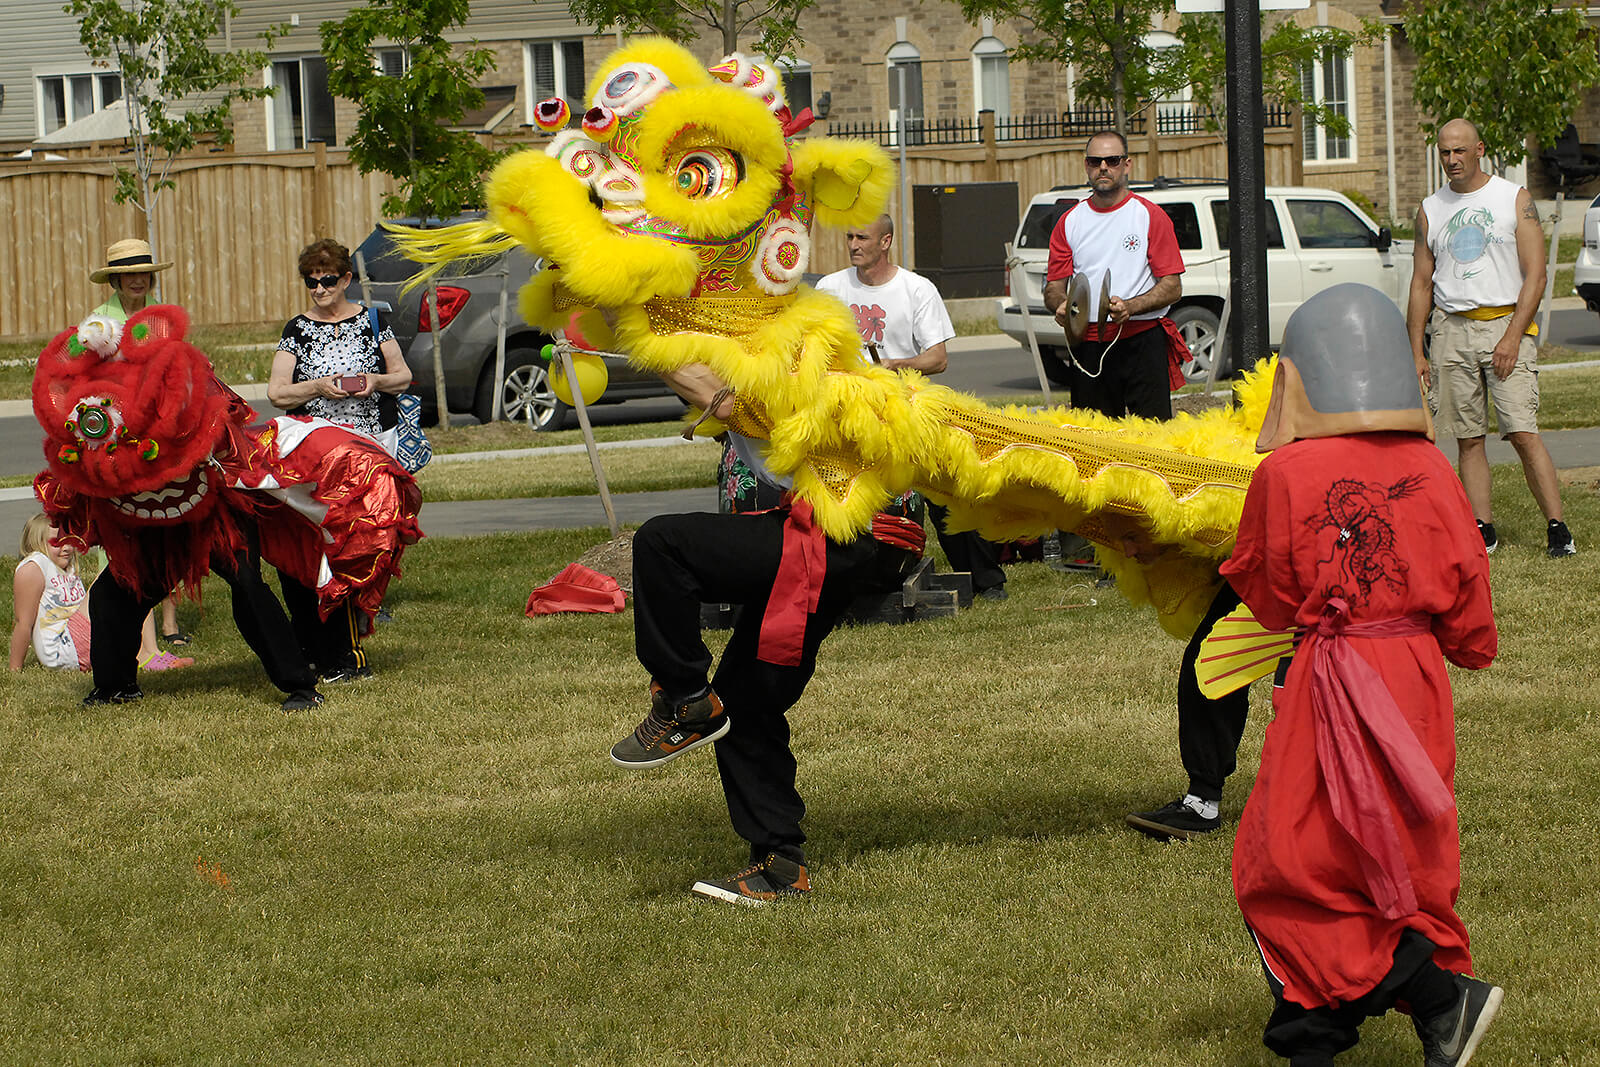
(441,866)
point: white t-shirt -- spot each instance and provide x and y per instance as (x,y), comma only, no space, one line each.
(1473,237)
(63,594)
(903,317)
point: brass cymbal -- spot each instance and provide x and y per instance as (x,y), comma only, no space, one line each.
(1077,308)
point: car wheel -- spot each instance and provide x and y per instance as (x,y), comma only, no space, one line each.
(1198,327)
(525,392)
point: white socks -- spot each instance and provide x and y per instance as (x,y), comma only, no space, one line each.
(1206,809)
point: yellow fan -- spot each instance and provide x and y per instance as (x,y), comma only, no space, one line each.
(1237,651)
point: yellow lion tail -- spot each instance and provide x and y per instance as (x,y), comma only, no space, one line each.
(436,249)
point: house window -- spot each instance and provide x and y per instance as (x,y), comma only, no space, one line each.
(555,68)
(301,111)
(796,76)
(393,62)
(905,70)
(65,98)
(1174,111)
(991,78)
(1327,82)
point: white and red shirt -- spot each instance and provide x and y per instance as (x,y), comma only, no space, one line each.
(903,317)
(1133,241)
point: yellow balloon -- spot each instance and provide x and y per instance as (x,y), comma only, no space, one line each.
(591,373)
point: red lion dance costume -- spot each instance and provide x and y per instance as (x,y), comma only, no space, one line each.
(152,457)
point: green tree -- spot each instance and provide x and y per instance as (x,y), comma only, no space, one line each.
(176,89)
(775,24)
(1286,52)
(403,126)
(1514,68)
(1105,40)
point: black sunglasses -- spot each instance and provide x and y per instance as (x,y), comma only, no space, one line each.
(1110,161)
(327,281)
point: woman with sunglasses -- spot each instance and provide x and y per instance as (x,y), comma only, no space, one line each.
(331,361)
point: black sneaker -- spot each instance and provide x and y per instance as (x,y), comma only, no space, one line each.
(302,700)
(1561,543)
(1449,1040)
(125,695)
(352,668)
(1490,541)
(1176,820)
(668,732)
(760,883)
(994,592)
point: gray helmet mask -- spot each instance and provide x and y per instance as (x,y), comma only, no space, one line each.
(1345,366)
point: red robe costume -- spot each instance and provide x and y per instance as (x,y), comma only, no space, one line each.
(1366,544)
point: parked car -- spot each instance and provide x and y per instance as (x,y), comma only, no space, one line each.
(1586,272)
(1315,238)
(469,307)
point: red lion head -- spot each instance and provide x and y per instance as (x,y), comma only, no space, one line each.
(131,412)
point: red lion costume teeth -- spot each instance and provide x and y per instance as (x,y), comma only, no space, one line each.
(151,456)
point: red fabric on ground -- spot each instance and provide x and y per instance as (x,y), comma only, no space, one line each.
(576,589)
(1380,521)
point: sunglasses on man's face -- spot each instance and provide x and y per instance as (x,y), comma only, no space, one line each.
(1110,161)
(327,281)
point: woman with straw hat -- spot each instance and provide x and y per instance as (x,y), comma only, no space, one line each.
(131,270)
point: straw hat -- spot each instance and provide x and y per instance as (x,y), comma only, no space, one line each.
(131,256)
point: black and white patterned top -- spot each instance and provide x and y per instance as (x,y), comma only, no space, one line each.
(345,347)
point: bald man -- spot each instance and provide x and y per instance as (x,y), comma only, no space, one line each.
(1478,278)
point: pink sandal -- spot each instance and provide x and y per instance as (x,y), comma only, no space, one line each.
(166,661)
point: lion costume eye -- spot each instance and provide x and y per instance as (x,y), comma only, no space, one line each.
(708,172)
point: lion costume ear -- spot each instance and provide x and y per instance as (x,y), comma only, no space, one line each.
(850,181)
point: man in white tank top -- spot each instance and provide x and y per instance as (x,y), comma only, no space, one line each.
(1477,282)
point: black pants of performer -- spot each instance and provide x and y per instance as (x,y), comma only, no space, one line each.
(1134,380)
(967,551)
(1209,730)
(116,616)
(680,561)
(326,643)
(1311,1037)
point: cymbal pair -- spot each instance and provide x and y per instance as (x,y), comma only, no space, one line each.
(1080,300)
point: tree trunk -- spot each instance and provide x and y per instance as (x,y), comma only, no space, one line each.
(730,27)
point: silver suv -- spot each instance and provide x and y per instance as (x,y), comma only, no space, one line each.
(469,305)
(1316,238)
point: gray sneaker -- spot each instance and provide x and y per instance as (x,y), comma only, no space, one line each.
(669,731)
(761,883)
(1449,1040)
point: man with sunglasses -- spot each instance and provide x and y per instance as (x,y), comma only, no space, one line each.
(1126,367)
(1130,368)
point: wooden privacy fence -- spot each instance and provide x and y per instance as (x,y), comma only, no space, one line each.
(234,225)
(233,228)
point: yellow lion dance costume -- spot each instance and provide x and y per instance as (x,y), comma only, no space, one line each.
(677,220)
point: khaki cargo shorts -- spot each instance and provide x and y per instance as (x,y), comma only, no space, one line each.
(1462,357)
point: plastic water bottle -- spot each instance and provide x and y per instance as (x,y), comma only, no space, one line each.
(1051,545)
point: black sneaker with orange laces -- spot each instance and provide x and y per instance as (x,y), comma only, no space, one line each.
(671,729)
(774,878)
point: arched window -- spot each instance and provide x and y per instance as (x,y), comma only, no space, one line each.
(904,64)
(991,77)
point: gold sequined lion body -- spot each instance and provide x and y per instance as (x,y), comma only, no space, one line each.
(676,222)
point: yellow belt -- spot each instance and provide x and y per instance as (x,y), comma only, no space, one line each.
(1488,314)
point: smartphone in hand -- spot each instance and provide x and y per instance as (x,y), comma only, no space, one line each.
(352,383)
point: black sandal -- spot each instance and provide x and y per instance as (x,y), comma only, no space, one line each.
(177,640)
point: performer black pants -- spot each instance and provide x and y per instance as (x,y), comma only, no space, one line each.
(1134,379)
(1209,730)
(116,615)
(1311,1037)
(326,643)
(680,561)
(967,551)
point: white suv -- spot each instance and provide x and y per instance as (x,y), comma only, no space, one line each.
(1315,238)
(1586,272)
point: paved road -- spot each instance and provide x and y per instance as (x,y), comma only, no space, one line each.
(987,366)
